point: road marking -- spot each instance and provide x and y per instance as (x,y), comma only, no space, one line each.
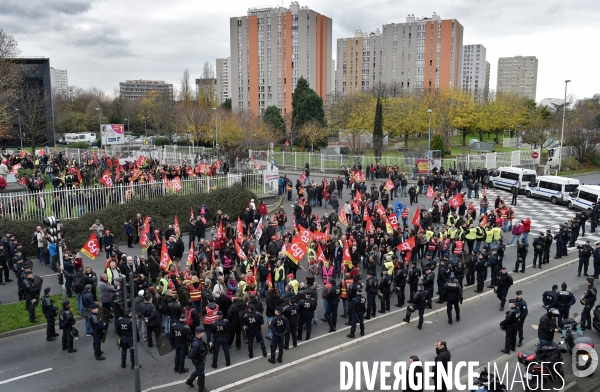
(352,342)
(24,376)
(43,276)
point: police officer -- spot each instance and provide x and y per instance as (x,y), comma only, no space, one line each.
(400,281)
(372,291)
(198,355)
(549,298)
(49,311)
(220,338)
(538,250)
(180,337)
(333,301)
(547,328)
(594,217)
(565,299)
(413,280)
(559,242)
(523,311)
(547,246)
(253,321)
(420,301)
(495,267)
(501,248)
(522,250)
(504,281)
(470,260)
(358,306)
(98,328)
(480,267)
(30,293)
(454,296)
(124,329)
(459,270)
(291,313)
(442,279)
(428,280)
(279,327)
(385,289)
(66,322)
(596,261)
(587,300)
(585,251)
(510,326)
(307,307)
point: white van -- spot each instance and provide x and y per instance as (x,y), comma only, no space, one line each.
(512,177)
(584,197)
(88,137)
(554,188)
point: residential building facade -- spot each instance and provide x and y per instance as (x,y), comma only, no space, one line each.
(271,48)
(420,54)
(518,75)
(137,89)
(475,69)
(59,81)
(223,82)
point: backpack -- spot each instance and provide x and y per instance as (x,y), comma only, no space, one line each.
(189,320)
(163,308)
(77,285)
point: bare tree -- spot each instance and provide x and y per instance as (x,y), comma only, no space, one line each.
(11,78)
(32,108)
(186,94)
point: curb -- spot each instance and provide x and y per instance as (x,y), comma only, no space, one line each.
(32,328)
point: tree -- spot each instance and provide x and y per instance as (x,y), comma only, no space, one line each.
(274,120)
(378,131)
(314,133)
(32,108)
(238,133)
(185,95)
(437,144)
(11,78)
(307,105)
(352,117)
(537,131)
(207,87)
(226,104)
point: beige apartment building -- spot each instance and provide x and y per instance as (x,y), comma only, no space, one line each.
(518,75)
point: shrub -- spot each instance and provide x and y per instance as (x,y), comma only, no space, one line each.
(162,141)
(81,145)
(569,164)
(31,172)
(232,201)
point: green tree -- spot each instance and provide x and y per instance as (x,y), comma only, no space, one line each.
(378,131)
(226,104)
(274,120)
(306,105)
(437,143)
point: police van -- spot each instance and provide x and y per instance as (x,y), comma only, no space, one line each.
(512,177)
(554,188)
(584,197)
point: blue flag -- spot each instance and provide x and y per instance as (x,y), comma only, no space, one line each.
(398,208)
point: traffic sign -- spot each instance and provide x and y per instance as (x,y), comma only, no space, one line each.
(535,155)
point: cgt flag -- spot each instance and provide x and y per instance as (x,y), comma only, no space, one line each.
(165,260)
(91,248)
(343,219)
(456,201)
(240,253)
(107,179)
(190,259)
(389,185)
(417,218)
(239,236)
(176,227)
(430,192)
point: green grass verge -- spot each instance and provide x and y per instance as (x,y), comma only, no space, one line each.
(14,316)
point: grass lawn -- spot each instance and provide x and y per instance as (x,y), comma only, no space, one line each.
(14,316)
(585,169)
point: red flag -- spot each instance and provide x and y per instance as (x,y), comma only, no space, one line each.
(106,179)
(140,161)
(190,259)
(388,227)
(393,221)
(240,253)
(176,184)
(430,192)
(15,169)
(218,163)
(320,255)
(355,207)
(389,185)
(357,197)
(108,163)
(347,258)
(23,154)
(78,175)
(42,151)
(471,207)
(297,250)
(135,173)
(176,227)
(144,239)
(165,260)
(417,218)
(302,177)
(456,201)
(220,231)
(117,164)
(366,213)
(407,245)
(484,220)
(268,282)
(327,232)
(343,219)
(91,248)
(380,210)
(370,227)
(240,231)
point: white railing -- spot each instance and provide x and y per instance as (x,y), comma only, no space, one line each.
(74,202)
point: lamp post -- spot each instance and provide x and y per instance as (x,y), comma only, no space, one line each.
(429,143)
(127,119)
(99,120)
(562,131)
(20,132)
(216,128)
(145,130)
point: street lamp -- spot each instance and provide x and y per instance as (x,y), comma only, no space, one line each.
(216,128)
(127,119)
(562,131)
(145,130)
(20,132)
(99,120)
(429,143)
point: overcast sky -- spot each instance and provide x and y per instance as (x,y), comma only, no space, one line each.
(103,42)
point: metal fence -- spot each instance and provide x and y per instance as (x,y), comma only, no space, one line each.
(332,162)
(74,202)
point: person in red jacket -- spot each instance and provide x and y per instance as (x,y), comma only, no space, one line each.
(264,212)
(526,229)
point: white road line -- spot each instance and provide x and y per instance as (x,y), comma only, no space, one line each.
(24,376)
(350,342)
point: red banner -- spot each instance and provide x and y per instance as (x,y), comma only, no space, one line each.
(380,210)
(389,185)
(140,161)
(320,255)
(165,260)
(220,231)
(240,253)
(407,245)
(240,231)
(91,248)
(343,219)
(393,221)
(135,173)
(15,169)
(302,177)
(297,250)
(144,239)
(176,227)
(190,259)
(417,218)
(370,227)
(347,258)
(430,192)
(484,220)
(106,179)
(456,201)
(176,184)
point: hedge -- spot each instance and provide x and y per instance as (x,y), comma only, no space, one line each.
(231,201)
